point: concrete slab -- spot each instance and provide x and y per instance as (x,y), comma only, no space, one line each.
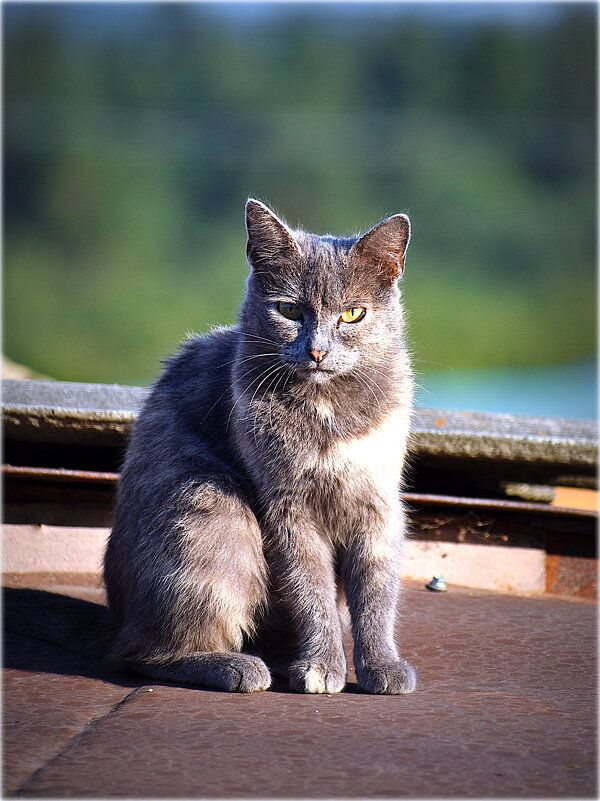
(50,696)
(505,708)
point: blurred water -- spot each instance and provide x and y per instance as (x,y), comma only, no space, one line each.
(558,391)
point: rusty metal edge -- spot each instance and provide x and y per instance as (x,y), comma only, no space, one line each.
(495,504)
(60,474)
(65,475)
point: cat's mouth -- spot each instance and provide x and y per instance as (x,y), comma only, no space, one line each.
(314,372)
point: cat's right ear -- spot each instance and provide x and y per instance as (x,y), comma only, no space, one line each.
(269,239)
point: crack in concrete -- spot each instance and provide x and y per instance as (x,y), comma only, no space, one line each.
(89,727)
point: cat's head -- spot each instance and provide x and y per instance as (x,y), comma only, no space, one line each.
(327,306)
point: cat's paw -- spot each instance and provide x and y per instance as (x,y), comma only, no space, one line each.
(393,678)
(249,674)
(317,676)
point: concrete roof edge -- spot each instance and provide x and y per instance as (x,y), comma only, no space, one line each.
(435,432)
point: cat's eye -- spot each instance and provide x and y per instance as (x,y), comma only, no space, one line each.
(353,315)
(289,310)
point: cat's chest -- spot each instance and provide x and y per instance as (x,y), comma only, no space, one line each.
(378,454)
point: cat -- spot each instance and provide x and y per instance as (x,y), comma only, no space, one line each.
(261,483)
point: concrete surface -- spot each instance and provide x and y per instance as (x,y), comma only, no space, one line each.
(505,708)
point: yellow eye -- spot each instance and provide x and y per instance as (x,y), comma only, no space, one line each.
(289,310)
(353,315)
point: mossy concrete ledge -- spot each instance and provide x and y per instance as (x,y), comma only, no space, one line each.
(92,413)
(508,437)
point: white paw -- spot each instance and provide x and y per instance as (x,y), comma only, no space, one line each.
(317,677)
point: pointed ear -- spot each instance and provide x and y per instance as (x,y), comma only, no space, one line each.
(269,239)
(383,248)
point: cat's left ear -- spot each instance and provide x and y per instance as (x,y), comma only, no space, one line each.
(383,248)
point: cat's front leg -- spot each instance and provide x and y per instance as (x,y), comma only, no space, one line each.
(302,568)
(372,585)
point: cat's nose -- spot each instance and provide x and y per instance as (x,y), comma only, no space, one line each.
(317,355)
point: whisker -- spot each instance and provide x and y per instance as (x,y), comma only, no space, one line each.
(267,370)
(284,373)
(394,370)
(223,394)
(240,378)
(422,388)
(246,359)
(360,380)
(269,376)
(365,375)
(256,336)
(274,378)
(436,364)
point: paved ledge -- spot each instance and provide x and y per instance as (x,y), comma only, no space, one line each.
(504,709)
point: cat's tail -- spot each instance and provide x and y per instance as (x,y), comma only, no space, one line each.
(79,626)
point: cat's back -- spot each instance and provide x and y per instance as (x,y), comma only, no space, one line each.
(186,415)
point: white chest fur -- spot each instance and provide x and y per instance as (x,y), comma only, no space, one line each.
(377,455)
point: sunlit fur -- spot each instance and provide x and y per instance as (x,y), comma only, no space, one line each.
(262,479)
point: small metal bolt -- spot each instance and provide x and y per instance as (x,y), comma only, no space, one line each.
(437,584)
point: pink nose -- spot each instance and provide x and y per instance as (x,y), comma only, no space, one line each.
(317,355)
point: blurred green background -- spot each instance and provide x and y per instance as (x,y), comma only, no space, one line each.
(133,134)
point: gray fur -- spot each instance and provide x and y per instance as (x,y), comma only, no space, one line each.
(260,484)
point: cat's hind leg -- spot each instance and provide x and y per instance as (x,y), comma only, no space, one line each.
(186,589)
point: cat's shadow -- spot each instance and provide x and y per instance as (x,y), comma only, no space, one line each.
(27,613)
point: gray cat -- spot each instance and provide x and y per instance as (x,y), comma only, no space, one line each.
(261,482)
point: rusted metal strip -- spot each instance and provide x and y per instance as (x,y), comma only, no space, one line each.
(58,474)
(417,499)
(493,504)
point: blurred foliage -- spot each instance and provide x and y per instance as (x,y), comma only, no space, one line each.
(135,132)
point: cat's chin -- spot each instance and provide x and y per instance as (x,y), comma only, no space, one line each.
(315,375)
